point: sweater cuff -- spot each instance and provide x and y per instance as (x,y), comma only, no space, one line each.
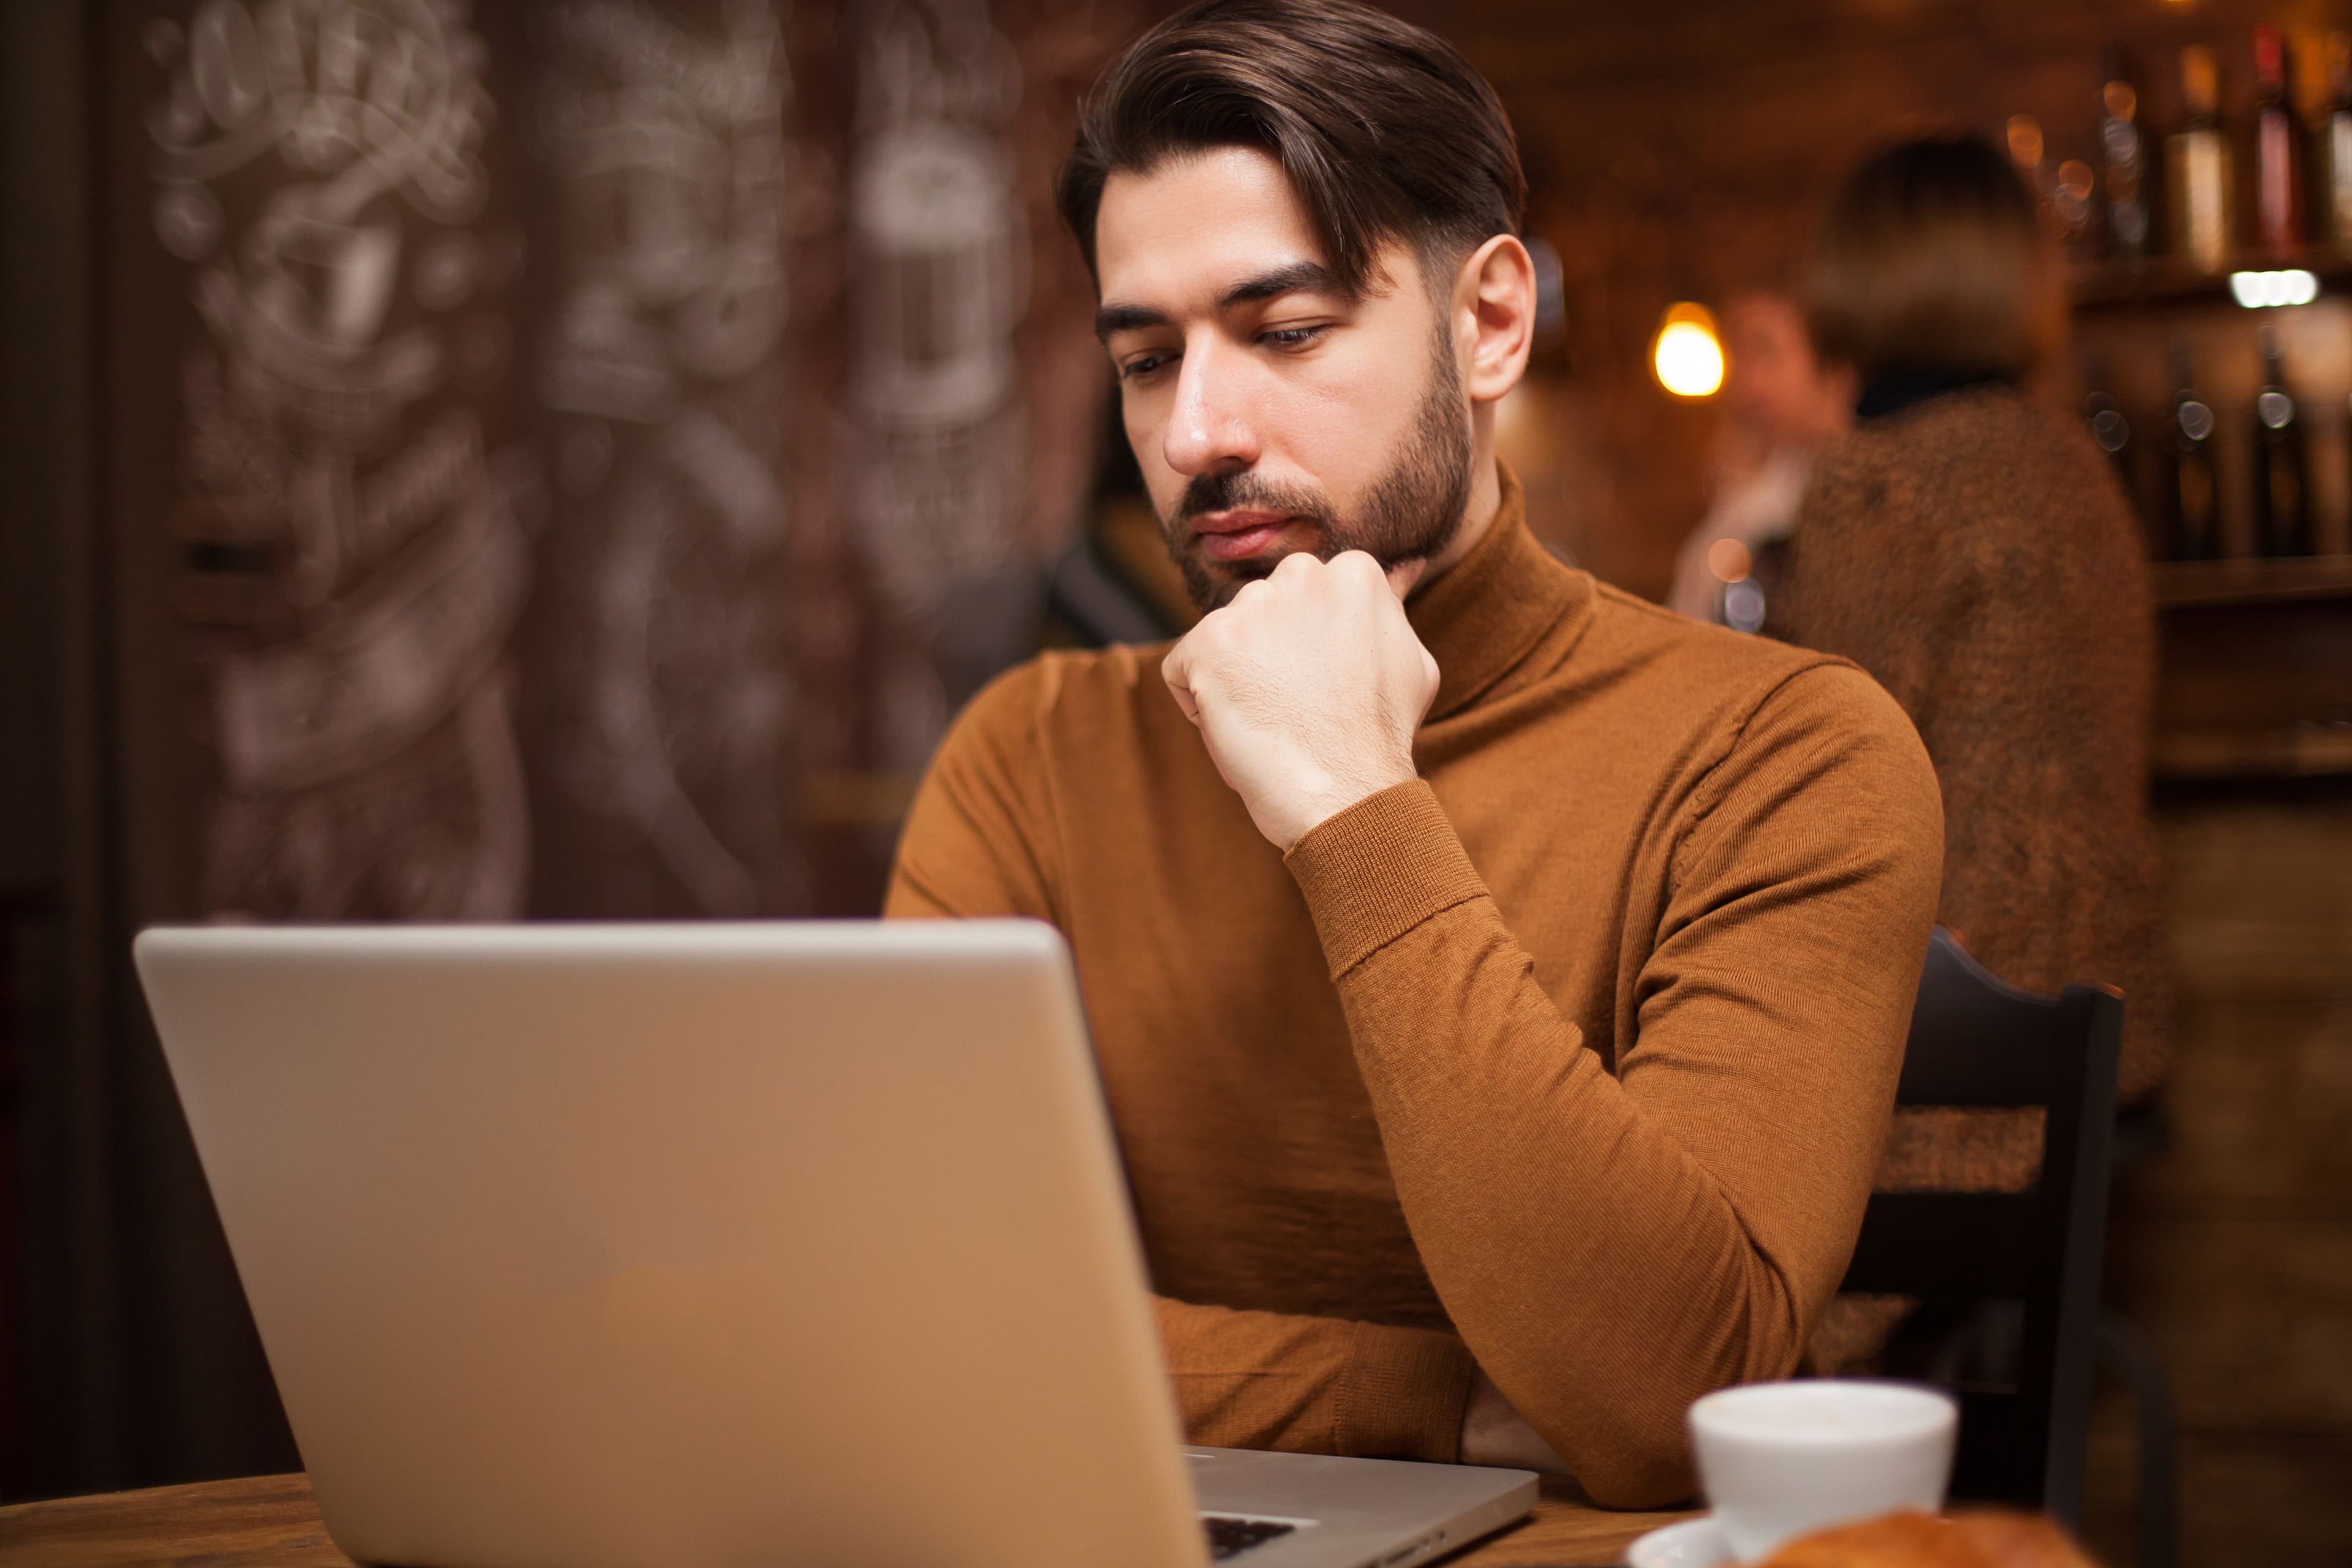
(1403,1395)
(1378,868)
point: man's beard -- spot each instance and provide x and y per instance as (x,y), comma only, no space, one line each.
(1411,514)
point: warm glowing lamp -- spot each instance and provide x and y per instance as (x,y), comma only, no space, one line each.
(1687,354)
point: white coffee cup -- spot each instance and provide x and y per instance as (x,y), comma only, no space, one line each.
(1781,1460)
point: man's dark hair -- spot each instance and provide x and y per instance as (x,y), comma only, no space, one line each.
(1386,134)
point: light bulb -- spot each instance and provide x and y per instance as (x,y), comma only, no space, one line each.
(1687,356)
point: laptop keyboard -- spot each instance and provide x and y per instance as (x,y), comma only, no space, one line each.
(1231,1537)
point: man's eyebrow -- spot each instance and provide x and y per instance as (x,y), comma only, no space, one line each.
(1126,319)
(1297,278)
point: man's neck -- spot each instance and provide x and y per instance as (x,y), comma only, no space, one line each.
(1478,516)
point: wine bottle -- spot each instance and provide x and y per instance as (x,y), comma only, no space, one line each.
(2025,149)
(2333,189)
(2278,149)
(2124,152)
(2074,206)
(2111,432)
(2282,496)
(2197,164)
(2193,517)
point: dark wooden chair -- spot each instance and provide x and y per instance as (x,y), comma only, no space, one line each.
(1977,1042)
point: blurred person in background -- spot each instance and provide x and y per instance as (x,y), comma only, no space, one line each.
(1779,405)
(1968,546)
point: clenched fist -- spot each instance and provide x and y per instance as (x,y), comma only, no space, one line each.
(1307,686)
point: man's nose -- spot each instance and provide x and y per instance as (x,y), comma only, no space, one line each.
(1211,430)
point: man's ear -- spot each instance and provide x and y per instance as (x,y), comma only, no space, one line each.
(1495,303)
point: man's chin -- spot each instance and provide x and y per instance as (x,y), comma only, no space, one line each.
(1213,588)
(1213,583)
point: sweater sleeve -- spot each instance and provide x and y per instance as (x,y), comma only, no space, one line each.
(1314,1385)
(1612,1247)
(980,842)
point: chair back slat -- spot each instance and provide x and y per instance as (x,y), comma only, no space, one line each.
(1947,1245)
(1977,1042)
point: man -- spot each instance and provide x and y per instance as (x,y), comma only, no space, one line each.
(1780,405)
(1499,982)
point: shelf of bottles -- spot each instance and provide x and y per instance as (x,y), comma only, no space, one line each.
(2211,280)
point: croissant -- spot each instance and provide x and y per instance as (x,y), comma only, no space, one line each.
(1987,1538)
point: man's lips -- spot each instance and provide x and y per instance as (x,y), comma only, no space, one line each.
(1237,534)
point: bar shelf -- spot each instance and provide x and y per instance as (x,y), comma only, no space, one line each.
(2184,583)
(2104,285)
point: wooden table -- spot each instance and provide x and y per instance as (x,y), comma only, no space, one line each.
(269,1521)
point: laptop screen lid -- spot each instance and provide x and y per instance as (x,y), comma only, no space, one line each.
(622,1245)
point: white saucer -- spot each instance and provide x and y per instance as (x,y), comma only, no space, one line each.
(1693,1543)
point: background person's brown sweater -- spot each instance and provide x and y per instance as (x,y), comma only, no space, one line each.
(1577,1053)
(1974,552)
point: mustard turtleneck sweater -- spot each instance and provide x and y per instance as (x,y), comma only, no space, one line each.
(1572,1059)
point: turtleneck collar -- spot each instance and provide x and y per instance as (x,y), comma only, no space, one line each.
(1481,619)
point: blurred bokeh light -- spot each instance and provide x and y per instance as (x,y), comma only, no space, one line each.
(1688,353)
(2290,287)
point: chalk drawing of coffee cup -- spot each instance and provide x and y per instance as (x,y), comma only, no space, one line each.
(937,230)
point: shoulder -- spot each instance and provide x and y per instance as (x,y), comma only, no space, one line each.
(1065,684)
(1711,670)
(1817,767)
(1966,449)
(1830,709)
(1767,763)
(1826,746)
(1730,702)
(1976,493)
(1060,696)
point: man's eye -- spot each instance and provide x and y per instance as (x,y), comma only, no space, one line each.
(1291,337)
(1143,365)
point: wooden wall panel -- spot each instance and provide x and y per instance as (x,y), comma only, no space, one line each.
(2232,1248)
(2261,904)
(2263,1119)
(2272,1498)
(2251,1313)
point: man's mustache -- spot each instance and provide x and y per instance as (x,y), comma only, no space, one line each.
(1232,489)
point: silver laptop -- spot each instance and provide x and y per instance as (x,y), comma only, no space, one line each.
(607,1246)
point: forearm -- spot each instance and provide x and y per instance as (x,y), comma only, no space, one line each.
(1609,1251)
(1603,1276)
(1319,1385)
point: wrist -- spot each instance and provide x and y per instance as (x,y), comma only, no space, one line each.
(1312,810)
(1493,1433)
(1323,796)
